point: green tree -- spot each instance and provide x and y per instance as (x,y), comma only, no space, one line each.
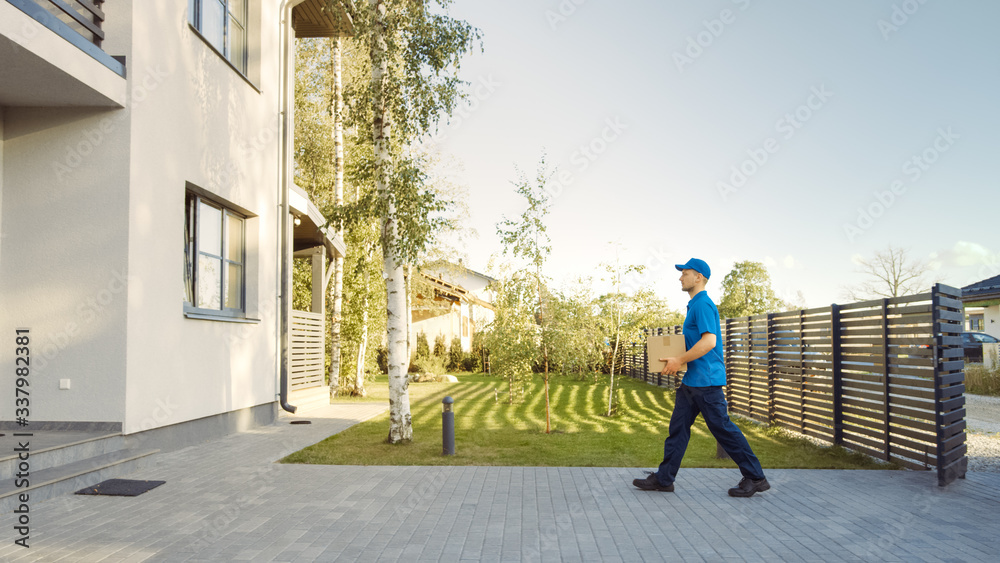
(414,54)
(512,338)
(527,240)
(746,291)
(575,335)
(455,354)
(322,160)
(618,315)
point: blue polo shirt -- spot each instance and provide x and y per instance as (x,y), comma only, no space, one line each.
(703,316)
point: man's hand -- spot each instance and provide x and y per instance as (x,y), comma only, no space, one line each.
(672,366)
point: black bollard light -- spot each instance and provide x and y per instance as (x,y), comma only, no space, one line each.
(448,426)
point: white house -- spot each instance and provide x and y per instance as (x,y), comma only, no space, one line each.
(147,211)
(982,303)
(452,301)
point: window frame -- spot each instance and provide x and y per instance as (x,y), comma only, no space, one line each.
(193,252)
(195,13)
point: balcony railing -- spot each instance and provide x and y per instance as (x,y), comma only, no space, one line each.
(77,21)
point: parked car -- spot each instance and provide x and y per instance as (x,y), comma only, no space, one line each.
(972,343)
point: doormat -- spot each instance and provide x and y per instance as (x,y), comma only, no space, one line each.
(120,488)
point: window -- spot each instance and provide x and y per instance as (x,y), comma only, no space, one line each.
(214,258)
(223,24)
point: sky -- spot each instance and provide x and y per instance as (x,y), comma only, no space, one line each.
(798,134)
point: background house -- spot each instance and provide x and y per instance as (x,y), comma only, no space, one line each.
(452,301)
(982,306)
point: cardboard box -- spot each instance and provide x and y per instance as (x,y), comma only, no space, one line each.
(667,346)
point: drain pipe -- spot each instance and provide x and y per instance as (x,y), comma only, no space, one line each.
(286,66)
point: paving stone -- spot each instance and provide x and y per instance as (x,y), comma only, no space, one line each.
(228,500)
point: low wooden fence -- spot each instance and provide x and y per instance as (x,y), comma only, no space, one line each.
(883,377)
(306,353)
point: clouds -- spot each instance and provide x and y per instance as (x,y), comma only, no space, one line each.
(965,263)
(788,262)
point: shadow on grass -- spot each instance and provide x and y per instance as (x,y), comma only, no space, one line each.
(489,431)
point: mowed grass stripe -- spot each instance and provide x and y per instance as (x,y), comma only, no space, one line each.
(493,432)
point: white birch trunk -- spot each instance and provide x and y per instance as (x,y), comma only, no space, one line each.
(338,199)
(359,370)
(400,424)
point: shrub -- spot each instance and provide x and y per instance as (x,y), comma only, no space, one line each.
(982,381)
(439,349)
(455,354)
(423,348)
(429,364)
(472,363)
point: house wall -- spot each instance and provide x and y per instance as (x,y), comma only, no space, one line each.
(448,324)
(93,215)
(63,263)
(1,191)
(198,121)
(991,317)
(63,256)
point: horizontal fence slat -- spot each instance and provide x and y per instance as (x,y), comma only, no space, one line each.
(861,375)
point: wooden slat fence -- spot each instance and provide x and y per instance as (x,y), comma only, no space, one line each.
(883,377)
(306,361)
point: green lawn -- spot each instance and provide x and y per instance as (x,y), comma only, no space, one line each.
(492,432)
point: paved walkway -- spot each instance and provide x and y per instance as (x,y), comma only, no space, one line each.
(227,501)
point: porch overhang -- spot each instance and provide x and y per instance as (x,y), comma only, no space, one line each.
(323,18)
(310,229)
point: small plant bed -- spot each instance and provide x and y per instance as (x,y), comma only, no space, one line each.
(489,431)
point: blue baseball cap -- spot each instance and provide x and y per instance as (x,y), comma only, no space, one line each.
(697,265)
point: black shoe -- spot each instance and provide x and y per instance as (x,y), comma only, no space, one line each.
(651,483)
(747,487)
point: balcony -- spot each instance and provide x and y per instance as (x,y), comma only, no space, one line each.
(51,55)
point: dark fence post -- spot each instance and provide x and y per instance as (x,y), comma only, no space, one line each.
(885,378)
(949,383)
(771,365)
(838,380)
(645,355)
(727,360)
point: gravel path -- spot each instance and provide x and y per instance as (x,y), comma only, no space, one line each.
(983,439)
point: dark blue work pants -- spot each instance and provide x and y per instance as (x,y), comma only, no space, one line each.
(711,403)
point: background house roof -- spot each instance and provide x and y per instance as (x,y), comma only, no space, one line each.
(979,291)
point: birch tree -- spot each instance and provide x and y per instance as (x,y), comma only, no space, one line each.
(526,239)
(414,53)
(338,200)
(617,272)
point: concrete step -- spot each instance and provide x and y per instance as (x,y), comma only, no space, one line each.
(64,479)
(44,453)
